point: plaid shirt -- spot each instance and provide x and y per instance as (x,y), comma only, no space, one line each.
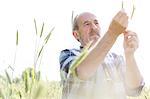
(67,56)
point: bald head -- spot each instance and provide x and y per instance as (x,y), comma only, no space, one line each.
(79,18)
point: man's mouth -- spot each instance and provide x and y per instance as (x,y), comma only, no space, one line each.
(94,38)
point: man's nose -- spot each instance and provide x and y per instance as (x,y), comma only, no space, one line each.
(94,26)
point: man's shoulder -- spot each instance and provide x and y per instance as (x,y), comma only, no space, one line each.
(67,56)
(70,52)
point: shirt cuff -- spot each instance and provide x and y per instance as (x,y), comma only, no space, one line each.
(136,91)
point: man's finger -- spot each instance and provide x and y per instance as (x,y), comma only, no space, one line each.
(125,21)
(117,16)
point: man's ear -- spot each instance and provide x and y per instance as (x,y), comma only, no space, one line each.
(76,35)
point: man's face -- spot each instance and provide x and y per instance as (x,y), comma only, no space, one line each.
(89,29)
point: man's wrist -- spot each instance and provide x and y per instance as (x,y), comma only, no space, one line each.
(112,33)
(129,55)
(116,28)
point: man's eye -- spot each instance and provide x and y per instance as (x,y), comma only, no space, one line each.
(96,23)
(87,24)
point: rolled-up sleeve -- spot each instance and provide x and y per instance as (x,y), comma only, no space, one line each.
(65,59)
(122,69)
(67,56)
(135,91)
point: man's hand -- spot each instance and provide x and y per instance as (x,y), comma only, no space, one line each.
(119,23)
(131,42)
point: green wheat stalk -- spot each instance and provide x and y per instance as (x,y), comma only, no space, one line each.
(17,38)
(19,94)
(45,42)
(35,44)
(48,36)
(33,74)
(42,30)
(122,5)
(11,68)
(26,79)
(8,77)
(17,41)
(133,10)
(35,27)
(76,62)
(39,54)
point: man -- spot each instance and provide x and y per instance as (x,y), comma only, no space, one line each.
(101,75)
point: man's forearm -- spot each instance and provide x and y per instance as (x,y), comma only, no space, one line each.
(96,56)
(133,77)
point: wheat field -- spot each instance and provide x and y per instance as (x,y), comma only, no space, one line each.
(30,85)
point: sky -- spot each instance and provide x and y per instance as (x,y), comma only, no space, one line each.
(20,14)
